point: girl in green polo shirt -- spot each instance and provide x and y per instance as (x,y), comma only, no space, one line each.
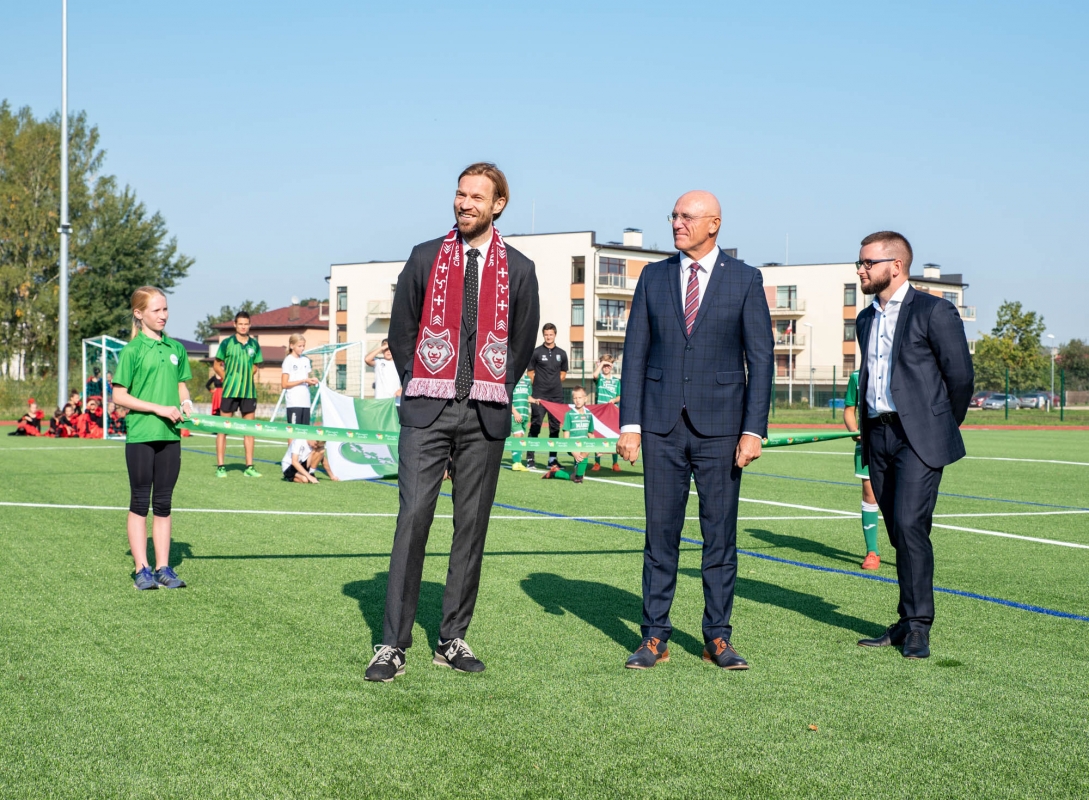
(150,382)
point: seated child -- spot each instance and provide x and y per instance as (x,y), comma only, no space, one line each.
(30,424)
(577,423)
(302,459)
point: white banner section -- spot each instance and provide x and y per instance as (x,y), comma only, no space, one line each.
(353,461)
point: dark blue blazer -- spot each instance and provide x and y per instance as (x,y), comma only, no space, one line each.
(666,370)
(931,380)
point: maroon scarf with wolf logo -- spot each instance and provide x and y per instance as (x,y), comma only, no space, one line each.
(435,365)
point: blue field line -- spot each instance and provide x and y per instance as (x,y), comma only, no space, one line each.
(940,494)
(1050,612)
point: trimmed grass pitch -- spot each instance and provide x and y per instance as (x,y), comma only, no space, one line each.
(250,682)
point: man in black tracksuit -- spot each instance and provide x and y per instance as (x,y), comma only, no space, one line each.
(547,369)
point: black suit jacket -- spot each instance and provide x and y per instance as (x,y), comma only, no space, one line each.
(404,327)
(932,376)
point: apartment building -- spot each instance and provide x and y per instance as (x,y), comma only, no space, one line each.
(586,289)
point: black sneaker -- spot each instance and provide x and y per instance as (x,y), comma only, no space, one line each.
(145,580)
(456,655)
(168,578)
(387,664)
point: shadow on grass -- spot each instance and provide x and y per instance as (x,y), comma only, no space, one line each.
(800,544)
(605,607)
(179,551)
(808,605)
(385,554)
(371,597)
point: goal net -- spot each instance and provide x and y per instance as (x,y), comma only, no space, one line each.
(100,355)
(340,367)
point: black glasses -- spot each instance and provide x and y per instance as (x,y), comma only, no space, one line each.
(687,218)
(868,264)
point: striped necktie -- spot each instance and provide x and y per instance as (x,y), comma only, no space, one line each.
(692,297)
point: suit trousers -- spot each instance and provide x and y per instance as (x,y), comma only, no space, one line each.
(422,457)
(906,490)
(670,462)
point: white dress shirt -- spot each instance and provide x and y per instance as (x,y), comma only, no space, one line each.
(879,354)
(703,277)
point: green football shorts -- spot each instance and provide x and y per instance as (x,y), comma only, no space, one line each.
(861,471)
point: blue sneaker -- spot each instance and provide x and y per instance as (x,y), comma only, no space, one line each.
(145,580)
(168,578)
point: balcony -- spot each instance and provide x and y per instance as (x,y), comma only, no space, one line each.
(790,311)
(967,313)
(615,285)
(606,327)
(378,309)
(785,343)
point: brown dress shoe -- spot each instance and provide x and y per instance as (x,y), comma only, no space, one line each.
(650,652)
(722,654)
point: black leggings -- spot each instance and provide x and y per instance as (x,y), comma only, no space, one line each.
(152,463)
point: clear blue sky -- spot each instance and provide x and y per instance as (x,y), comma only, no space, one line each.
(278,138)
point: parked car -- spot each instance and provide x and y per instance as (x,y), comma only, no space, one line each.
(998,401)
(1038,400)
(978,398)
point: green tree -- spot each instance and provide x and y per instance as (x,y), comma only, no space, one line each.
(116,246)
(206,327)
(1073,357)
(1014,344)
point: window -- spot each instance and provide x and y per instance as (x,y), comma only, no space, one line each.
(578,312)
(850,295)
(578,269)
(952,297)
(577,360)
(848,330)
(611,272)
(786,297)
(342,377)
(848,365)
(782,365)
(342,298)
(614,349)
(342,334)
(610,315)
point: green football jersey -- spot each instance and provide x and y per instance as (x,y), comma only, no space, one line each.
(151,370)
(521,394)
(608,388)
(578,424)
(850,399)
(238,360)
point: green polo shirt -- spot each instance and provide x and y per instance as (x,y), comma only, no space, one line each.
(850,397)
(238,360)
(151,370)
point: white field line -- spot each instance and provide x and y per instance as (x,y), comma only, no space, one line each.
(1017,513)
(850,514)
(67,447)
(792,450)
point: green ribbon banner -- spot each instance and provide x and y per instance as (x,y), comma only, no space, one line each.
(235,426)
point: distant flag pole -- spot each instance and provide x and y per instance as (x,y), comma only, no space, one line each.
(65,229)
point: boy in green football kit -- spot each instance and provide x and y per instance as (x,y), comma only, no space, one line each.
(608,391)
(236,364)
(869,502)
(577,423)
(519,426)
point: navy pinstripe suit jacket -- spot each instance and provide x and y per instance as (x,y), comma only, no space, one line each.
(666,370)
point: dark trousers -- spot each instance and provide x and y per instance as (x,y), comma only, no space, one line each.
(670,462)
(537,420)
(906,490)
(422,457)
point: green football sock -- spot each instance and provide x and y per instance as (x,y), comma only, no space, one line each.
(869,526)
(580,469)
(616,459)
(597,459)
(515,456)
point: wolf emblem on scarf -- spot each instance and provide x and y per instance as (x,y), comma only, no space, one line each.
(494,356)
(435,350)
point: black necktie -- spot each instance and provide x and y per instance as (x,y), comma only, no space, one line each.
(464,381)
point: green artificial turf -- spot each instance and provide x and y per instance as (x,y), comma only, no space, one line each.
(249,683)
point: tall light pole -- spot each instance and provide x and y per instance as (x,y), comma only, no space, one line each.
(65,229)
(810,348)
(1051,336)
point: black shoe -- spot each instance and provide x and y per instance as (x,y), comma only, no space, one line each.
(722,654)
(531,464)
(387,664)
(893,635)
(650,652)
(456,655)
(916,645)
